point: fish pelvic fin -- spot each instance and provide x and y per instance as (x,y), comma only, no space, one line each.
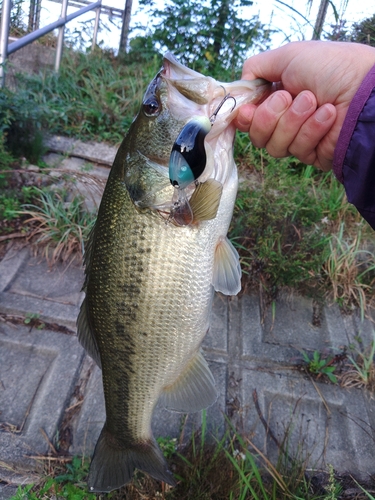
(205,200)
(85,334)
(227,269)
(112,466)
(194,389)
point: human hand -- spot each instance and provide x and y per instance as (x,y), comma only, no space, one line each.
(317,81)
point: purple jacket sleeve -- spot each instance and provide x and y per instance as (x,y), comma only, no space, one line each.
(354,157)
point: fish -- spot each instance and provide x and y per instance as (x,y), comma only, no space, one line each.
(154,258)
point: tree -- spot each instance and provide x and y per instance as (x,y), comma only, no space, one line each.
(362,32)
(210,36)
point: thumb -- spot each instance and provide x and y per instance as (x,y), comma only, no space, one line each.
(271,64)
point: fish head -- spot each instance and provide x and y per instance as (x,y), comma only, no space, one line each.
(177,96)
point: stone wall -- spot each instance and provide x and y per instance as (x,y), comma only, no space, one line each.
(33,58)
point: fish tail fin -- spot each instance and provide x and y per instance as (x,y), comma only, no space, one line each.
(113,466)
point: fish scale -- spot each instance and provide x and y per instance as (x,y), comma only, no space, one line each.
(151,269)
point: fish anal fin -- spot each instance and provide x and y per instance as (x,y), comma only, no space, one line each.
(194,389)
(227,269)
(205,200)
(85,334)
(112,465)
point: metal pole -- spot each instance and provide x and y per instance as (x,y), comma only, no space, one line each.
(60,39)
(4,35)
(96,27)
(25,40)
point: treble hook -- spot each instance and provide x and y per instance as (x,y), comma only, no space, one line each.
(215,113)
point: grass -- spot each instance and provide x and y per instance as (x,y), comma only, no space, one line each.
(294,229)
(58,226)
(231,468)
(360,372)
(95,96)
(319,365)
(350,270)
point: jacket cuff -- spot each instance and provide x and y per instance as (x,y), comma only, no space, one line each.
(351,123)
(354,158)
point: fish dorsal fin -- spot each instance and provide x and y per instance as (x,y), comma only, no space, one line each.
(194,389)
(205,200)
(227,269)
(85,335)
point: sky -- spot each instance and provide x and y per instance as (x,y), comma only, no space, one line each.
(289,24)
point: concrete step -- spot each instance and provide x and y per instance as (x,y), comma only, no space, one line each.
(49,387)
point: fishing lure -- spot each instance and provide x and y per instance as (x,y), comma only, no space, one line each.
(188,160)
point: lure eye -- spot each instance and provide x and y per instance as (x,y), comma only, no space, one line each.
(151,106)
(188,156)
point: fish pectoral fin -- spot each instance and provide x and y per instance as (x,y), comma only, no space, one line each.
(227,269)
(205,200)
(112,465)
(194,389)
(85,335)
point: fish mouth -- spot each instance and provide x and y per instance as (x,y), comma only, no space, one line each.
(191,84)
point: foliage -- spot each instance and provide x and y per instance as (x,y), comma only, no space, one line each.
(361,32)
(350,270)
(69,484)
(212,37)
(294,228)
(206,469)
(361,371)
(16,19)
(95,96)
(277,225)
(21,122)
(317,365)
(59,226)
(364,31)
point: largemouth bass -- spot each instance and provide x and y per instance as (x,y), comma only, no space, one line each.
(155,256)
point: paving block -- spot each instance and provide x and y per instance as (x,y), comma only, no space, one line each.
(96,152)
(279,338)
(320,424)
(10,265)
(7,491)
(37,372)
(89,179)
(30,286)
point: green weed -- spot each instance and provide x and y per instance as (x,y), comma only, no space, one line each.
(361,372)
(317,365)
(32,319)
(71,484)
(277,226)
(9,207)
(58,226)
(350,270)
(95,96)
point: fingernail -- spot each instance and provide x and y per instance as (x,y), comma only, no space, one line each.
(277,103)
(323,114)
(302,103)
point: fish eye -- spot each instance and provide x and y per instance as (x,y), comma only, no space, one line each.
(151,107)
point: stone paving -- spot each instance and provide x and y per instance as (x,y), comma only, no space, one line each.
(50,389)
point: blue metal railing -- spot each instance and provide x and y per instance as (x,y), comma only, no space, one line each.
(7,49)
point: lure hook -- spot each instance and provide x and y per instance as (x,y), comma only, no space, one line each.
(225,98)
